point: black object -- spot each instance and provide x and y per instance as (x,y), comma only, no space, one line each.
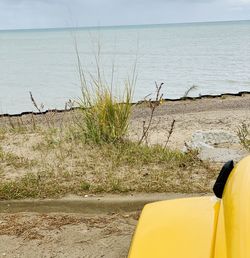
(222,178)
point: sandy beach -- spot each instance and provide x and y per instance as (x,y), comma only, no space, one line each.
(30,235)
(107,107)
(224,112)
(109,235)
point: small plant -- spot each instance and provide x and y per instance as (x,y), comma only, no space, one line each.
(105,116)
(2,134)
(190,89)
(244,135)
(85,186)
(153,104)
(42,111)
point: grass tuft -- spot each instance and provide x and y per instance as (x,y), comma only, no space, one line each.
(105,114)
(105,117)
(244,136)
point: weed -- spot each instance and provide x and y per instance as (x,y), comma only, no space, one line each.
(2,134)
(105,118)
(17,125)
(190,89)
(153,104)
(85,185)
(10,159)
(30,186)
(244,135)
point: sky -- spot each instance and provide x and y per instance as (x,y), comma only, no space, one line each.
(27,14)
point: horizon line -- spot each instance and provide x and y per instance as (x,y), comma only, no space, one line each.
(121,25)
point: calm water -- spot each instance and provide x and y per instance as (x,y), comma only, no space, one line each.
(213,56)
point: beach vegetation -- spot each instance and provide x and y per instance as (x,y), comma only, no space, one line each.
(189,90)
(12,160)
(105,118)
(60,162)
(105,109)
(244,135)
(89,151)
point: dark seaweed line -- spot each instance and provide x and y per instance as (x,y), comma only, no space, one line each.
(171,100)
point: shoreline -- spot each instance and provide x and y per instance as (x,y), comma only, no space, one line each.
(182,99)
(51,141)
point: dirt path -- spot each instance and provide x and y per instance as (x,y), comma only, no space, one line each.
(30,235)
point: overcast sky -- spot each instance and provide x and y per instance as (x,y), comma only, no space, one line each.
(17,14)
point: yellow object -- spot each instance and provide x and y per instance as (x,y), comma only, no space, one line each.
(205,227)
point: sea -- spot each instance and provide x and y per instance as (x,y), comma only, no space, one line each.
(212,58)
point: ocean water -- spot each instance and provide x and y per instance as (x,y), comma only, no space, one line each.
(213,56)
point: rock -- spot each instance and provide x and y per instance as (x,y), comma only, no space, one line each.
(206,142)
(214,137)
(197,145)
(221,154)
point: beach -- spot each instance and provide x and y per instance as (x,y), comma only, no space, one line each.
(224,112)
(124,129)
(66,235)
(107,234)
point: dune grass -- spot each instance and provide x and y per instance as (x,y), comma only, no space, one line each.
(59,162)
(105,111)
(105,118)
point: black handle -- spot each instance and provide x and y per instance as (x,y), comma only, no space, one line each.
(222,178)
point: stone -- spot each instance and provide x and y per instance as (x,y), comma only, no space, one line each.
(207,141)
(214,137)
(221,155)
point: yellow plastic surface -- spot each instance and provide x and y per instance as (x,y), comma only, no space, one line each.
(198,227)
(182,228)
(233,234)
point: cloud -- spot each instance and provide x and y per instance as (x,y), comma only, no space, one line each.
(60,13)
(239,2)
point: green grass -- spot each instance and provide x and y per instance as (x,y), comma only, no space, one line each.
(32,186)
(105,118)
(77,167)
(130,153)
(105,110)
